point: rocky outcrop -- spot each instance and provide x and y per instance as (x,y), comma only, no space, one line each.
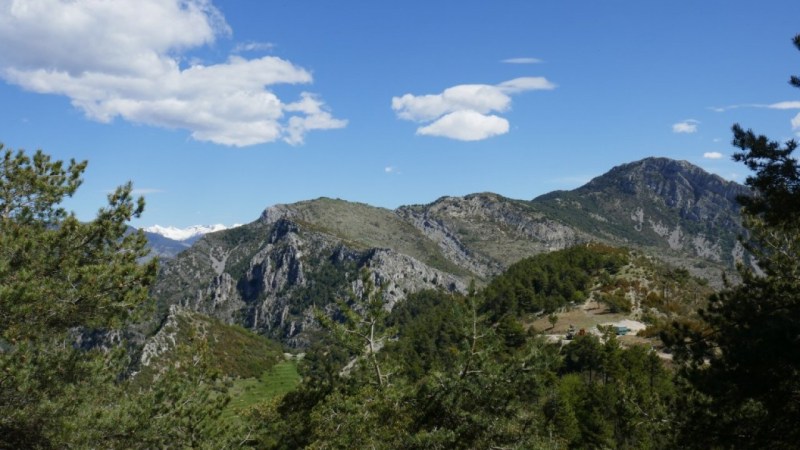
(449,243)
(270,279)
(485,233)
(165,339)
(401,274)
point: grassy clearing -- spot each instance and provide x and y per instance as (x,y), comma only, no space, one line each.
(585,316)
(278,380)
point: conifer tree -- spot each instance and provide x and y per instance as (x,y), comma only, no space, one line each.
(743,367)
(58,275)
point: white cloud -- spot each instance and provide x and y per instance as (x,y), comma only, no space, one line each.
(466,125)
(790,104)
(796,122)
(712,155)
(463,112)
(388,169)
(253,47)
(687,126)
(123,59)
(526,84)
(315,117)
(482,98)
(784,105)
(525,60)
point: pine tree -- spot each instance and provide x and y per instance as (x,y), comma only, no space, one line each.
(743,368)
(59,274)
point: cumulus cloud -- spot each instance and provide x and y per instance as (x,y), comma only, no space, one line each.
(466,125)
(687,126)
(524,60)
(123,59)
(712,155)
(463,112)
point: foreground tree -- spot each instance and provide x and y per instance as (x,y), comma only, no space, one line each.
(742,369)
(58,274)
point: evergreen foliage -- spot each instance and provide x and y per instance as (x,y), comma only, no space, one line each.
(741,367)
(547,282)
(60,277)
(56,274)
(452,377)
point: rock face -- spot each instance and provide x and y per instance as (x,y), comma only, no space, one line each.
(269,274)
(485,233)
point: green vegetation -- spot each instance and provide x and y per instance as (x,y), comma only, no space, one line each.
(450,377)
(547,282)
(325,283)
(232,351)
(274,382)
(60,277)
(740,364)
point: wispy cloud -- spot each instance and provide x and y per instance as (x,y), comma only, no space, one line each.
(463,112)
(783,105)
(124,59)
(253,47)
(686,126)
(524,60)
(789,104)
(712,155)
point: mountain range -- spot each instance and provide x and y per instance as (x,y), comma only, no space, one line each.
(167,242)
(188,234)
(267,275)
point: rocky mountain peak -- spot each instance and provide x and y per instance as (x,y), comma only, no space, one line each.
(677,183)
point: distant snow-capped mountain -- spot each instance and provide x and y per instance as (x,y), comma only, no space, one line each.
(185,234)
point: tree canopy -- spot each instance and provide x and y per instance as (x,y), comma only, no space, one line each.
(742,366)
(61,278)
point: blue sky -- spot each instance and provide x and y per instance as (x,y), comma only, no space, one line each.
(216,110)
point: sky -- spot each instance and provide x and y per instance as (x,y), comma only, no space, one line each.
(216,110)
